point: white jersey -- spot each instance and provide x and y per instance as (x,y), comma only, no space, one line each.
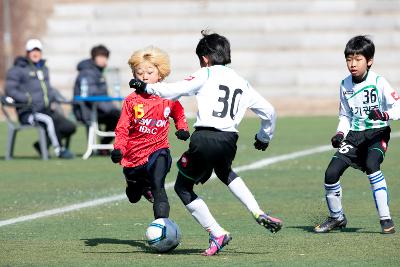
(222,98)
(358,99)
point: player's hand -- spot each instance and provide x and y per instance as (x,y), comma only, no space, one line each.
(378,115)
(182,134)
(337,139)
(116,155)
(138,85)
(259,144)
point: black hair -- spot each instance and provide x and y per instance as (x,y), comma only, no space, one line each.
(99,50)
(361,45)
(216,47)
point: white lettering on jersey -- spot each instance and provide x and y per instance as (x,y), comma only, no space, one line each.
(152,122)
(145,129)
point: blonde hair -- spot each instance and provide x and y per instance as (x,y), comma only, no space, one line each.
(153,55)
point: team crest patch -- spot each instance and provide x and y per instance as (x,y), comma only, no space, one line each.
(184,161)
(167,111)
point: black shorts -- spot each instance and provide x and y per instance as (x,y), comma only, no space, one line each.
(209,149)
(354,149)
(142,174)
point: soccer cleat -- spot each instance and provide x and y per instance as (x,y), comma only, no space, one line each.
(216,244)
(387,226)
(330,224)
(65,154)
(269,222)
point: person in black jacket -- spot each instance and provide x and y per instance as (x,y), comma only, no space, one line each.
(27,82)
(92,72)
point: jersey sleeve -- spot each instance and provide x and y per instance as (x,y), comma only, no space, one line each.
(178,115)
(391,102)
(187,87)
(122,128)
(345,114)
(266,112)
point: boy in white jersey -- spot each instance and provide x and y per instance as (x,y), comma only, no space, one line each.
(367,102)
(223,97)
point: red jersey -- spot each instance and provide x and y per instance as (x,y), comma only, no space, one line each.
(143,126)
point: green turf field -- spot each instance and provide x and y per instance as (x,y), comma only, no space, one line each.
(112,234)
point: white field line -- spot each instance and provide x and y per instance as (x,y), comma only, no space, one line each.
(96,202)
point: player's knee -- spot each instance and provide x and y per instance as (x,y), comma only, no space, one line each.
(133,197)
(232,176)
(133,194)
(332,176)
(372,166)
(373,162)
(184,190)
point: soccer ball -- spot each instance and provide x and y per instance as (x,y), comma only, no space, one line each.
(163,235)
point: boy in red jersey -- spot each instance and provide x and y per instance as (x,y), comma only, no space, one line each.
(141,136)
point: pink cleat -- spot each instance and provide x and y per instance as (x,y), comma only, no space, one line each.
(216,244)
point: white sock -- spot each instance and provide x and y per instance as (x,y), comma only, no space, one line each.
(203,216)
(240,190)
(379,191)
(333,194)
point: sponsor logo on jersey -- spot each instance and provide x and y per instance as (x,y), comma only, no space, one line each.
(150,126)
(184,161)
(152,122)
(189,78)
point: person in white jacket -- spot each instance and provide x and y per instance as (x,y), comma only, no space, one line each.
(367,103)
(223,98)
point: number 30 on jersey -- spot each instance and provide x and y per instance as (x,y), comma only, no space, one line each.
(232,107)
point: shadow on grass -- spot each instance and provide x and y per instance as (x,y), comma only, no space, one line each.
(237,252)
(37,157)
(141,244)
(310,229)
(23,158)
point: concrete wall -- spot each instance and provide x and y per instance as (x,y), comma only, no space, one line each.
(291,51)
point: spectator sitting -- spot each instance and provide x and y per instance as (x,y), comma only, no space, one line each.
(92,70)
(27,82)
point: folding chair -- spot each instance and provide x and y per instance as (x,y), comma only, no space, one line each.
(14,127)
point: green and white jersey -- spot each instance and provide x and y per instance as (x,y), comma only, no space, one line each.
(358,99)
(222,98)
